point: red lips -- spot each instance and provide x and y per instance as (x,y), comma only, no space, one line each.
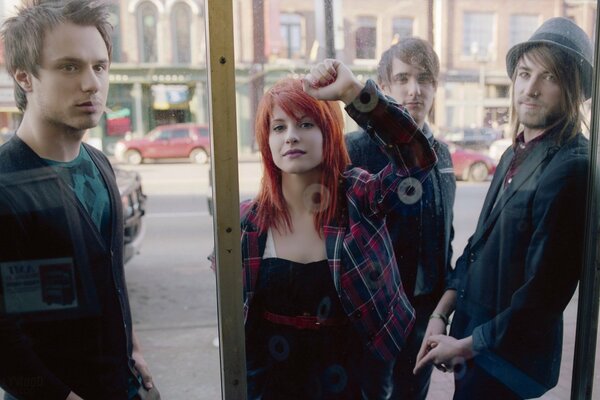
(294,152)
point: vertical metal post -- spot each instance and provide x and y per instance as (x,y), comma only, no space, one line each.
(222,117)
(329,29)
(589,286)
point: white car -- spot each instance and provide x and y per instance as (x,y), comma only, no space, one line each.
(498,147)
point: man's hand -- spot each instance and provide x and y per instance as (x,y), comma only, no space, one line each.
(73,396)
(140,362)
(436,326)
(332,80)
(445,352)
(142,367)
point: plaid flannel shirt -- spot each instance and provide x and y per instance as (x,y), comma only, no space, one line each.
(358,246)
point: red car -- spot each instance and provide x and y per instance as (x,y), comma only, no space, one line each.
(470,165)
(186,140)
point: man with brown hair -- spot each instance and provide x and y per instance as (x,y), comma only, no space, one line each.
(521,266)
(65,323)
(421,229)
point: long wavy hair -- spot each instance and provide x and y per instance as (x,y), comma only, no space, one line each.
(272,208)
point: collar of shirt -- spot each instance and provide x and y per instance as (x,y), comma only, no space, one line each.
(521,151)
(427,132)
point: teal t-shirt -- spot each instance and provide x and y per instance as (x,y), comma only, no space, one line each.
(84,178)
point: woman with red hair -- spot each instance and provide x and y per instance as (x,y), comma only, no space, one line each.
(325,310)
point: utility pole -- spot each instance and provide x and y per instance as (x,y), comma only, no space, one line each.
(329,29)
(257,79)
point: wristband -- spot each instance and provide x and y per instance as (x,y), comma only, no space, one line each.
(439,316)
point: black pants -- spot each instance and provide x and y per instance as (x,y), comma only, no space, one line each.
(408,386)
(472,382)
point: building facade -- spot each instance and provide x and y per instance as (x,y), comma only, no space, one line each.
(158,74)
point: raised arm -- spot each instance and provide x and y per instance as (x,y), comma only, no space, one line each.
(387,122)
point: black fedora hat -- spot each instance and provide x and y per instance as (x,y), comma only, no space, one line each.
(564,34)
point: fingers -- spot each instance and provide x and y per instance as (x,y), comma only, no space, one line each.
(147,378)
(430,353)
(322,74)
(423,362)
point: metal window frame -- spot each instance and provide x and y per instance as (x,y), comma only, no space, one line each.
(221,67)
(226,223)
(586,330)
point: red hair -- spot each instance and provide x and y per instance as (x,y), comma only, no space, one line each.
(291,98)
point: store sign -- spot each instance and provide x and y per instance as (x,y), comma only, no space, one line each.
(118,122)
(167,97)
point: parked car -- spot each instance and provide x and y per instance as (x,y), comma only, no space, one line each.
(470,165)
(472,138)
(186,140)
(134,208)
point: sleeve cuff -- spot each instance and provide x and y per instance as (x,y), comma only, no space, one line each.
(479,342)
(364,103)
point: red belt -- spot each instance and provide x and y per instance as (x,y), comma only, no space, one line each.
(303,322)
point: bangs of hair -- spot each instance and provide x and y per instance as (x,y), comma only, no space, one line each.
(291,98)
(413,51)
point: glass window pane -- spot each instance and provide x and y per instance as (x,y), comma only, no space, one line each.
(470,110)
(158,89)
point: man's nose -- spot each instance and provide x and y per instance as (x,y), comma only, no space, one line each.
(413,87)
(533,88)
(90,81)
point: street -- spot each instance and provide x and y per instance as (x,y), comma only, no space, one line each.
(172,289)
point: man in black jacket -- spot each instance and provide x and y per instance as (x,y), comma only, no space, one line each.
(521,266)
(421,230)
(65,322)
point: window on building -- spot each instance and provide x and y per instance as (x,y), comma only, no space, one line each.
(147,19)
(115,21)
(181,25)
(366,37)
(522,27)
(402,27)
(291,35)
(478,34)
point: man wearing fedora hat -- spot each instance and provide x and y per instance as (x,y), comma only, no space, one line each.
(521,266)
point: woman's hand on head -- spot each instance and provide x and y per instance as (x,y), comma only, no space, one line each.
(332,80)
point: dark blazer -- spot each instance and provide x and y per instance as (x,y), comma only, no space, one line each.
(520,268)
(87,348)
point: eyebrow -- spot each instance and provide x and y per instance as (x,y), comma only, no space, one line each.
(78,60)
(399,75)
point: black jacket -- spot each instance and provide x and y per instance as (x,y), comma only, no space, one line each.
(521,266)
(409,237)
(84,343)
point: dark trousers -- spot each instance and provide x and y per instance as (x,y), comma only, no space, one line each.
(408,386)
(472,382)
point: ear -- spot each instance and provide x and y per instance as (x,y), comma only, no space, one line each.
(23,79)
